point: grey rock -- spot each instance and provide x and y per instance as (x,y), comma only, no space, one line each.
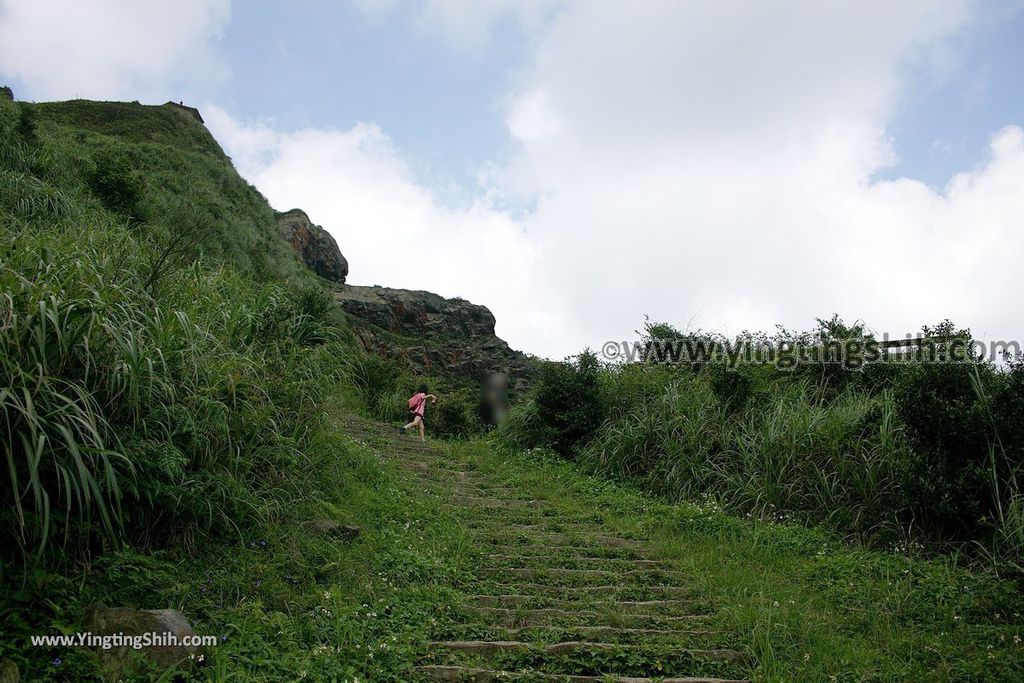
(417,313)
(314,245)
(118,662)
(450,337)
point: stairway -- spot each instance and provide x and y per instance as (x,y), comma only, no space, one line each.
(557,598)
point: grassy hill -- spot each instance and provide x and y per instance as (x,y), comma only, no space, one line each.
(160,171)
(188,423)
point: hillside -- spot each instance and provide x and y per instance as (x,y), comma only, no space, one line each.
(200,436)
(176,178)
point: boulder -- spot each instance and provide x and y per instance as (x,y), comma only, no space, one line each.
(121,661)
(314,245)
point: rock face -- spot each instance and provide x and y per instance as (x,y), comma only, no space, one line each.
(444,336)
(416,314)
(314,245)
(116,662)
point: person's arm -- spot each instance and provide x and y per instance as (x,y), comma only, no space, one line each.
(433,399)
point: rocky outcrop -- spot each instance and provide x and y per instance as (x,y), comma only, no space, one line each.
(313,244)
(433,334)
(119,661)
(417,314)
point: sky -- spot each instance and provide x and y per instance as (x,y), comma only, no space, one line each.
(575,165)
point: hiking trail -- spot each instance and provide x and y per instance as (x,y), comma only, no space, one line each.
(555,598)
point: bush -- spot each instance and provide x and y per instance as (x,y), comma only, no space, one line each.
(949,478)
(733,387)
(382,385)
(456,413)
(114,182)
(570,402)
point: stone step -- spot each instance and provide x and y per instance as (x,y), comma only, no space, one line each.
(629,606)
(626,553)
(607,632)
(487,647)
(462,673)
(659,576)
(440,475)
(534,560)
(476,488)
(545,615)
(569,534)
(478,501)
(607,590)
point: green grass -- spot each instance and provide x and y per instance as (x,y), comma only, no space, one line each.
(293,604)
(804,604)
(288,602)
(925,453)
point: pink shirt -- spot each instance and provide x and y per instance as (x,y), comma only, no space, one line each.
(418,403)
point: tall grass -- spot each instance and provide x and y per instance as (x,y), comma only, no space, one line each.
(1008,534)
(829,461)
(900,454)
(129,414)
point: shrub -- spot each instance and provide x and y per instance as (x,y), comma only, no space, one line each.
(456,413)
(733,387)
(114,182)
(570,402)
(949,477)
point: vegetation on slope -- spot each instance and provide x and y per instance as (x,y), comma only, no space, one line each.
(899,453)
(166,361)
(151,391)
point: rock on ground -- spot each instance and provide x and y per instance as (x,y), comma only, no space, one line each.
(119,661)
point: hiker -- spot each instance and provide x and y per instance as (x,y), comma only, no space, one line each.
(417,406)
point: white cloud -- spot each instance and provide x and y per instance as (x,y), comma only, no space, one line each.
(464,25)
(392,230)
(707,164)
(108,49)
(713,164)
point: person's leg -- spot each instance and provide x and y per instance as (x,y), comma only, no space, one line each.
(419,423)
(410,424)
